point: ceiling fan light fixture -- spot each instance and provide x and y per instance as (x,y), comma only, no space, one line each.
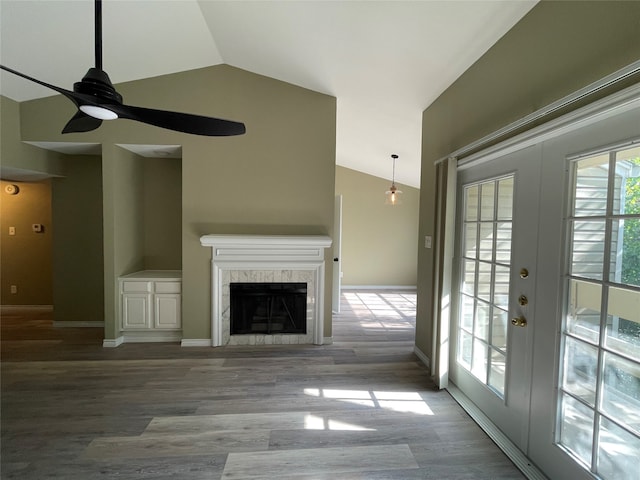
(393,194)
(97,100)
(100,113)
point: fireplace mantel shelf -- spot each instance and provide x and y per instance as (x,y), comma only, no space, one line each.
(266,241)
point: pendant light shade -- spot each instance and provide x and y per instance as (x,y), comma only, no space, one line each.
(393,194)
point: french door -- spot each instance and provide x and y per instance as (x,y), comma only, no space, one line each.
(496,257)
(545,329)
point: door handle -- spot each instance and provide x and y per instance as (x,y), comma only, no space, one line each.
(519,322)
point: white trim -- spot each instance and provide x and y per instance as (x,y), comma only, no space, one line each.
(605,82)
(280,243)
(524,464)
(614,104)
(604,149)
(151,336)
(72,324)
(22,308)
(423,358)
(444,255)
(112,343)
(195,342)
(327,340)
(379,287)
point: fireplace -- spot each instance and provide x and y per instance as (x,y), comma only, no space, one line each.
(268,308)
(261,260)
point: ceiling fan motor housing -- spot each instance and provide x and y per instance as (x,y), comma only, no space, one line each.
(96,83)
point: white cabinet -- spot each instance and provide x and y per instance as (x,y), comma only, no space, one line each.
(151,300)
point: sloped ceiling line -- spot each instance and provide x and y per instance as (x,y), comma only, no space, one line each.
(385,61)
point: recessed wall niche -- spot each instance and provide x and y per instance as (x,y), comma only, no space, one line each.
(151,206)
(163,213)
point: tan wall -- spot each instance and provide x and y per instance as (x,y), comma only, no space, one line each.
(14,153)
(26,256)
(128,211)
(277,179)
(379,242)
(162,198)
(556,49)
(78,286)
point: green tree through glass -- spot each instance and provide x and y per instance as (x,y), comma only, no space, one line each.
(631,253)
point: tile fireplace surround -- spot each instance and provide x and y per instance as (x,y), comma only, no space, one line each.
(264,259)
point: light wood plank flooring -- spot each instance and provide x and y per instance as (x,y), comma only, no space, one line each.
(362,408)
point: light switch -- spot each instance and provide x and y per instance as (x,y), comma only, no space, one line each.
(12,230)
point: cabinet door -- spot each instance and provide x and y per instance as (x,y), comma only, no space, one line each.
(136,311)
(167,311)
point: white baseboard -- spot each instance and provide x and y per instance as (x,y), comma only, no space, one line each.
(22,308)
(72,324)
(143,337)
(520,460)
(112,343)
(195,342)
(151,337)
(379,287)
(423,358)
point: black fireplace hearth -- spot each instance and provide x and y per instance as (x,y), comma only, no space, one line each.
(268,308)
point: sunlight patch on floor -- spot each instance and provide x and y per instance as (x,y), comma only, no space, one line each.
(381,305)
(403,402)
(316,422)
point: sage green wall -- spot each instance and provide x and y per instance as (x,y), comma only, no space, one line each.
(26,256)
(162,198)
(14,153)
(379,242)
(277,179)
(128,209)
(556,49)
(78,286)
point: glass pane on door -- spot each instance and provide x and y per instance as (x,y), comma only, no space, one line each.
(484,289)
(599,400)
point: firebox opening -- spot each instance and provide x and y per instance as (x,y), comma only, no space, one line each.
(268,308)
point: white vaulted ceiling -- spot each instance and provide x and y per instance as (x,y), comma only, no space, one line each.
(384,61)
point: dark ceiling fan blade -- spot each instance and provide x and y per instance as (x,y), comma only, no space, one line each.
(66,93)
(97,100)
(180,122)
(81,122)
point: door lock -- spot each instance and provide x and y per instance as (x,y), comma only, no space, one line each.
(519,322)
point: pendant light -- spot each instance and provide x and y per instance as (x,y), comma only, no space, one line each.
(393,194)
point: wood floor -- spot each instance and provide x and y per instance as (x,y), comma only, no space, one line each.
(362,408)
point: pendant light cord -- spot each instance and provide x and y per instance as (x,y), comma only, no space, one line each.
(393,175)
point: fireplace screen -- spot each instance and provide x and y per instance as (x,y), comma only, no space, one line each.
(268,308)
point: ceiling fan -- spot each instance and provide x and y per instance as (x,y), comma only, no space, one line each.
(97,100)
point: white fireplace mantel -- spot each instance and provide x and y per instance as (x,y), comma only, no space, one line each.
(260,258)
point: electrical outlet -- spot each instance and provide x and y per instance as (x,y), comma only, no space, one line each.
(14,289)
(427,241)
